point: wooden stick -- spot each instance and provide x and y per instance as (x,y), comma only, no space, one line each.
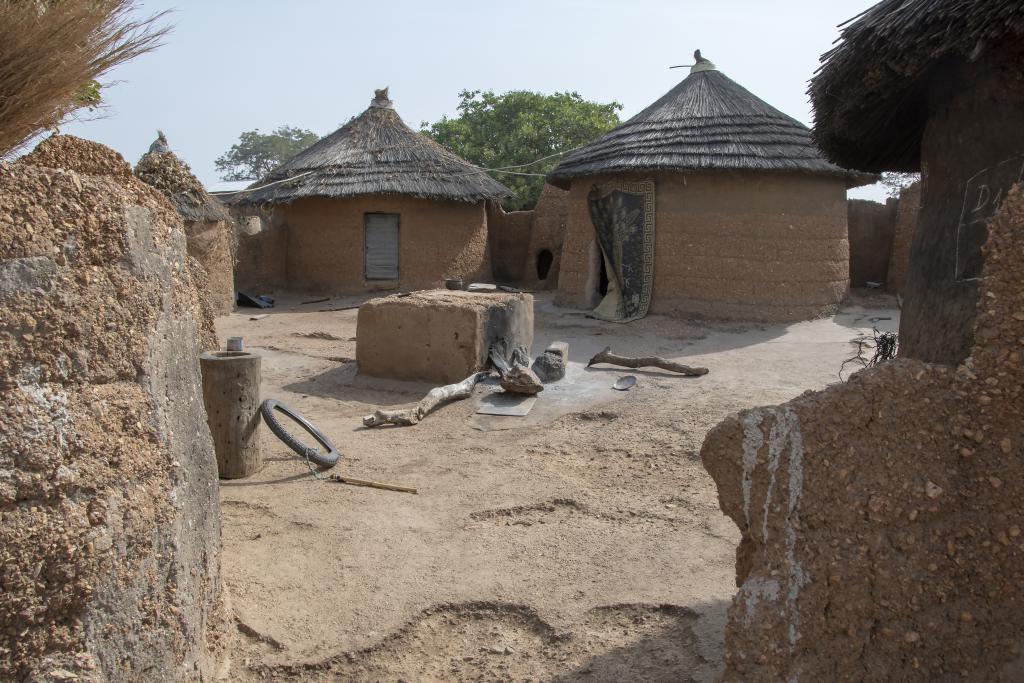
(315,301)
(372,484)
(610,358)
(331,310)
(438,395)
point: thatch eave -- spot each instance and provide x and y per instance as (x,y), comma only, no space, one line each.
(871,93)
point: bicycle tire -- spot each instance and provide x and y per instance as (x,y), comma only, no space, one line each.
(323,459)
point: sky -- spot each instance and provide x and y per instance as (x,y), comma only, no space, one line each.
(230,66)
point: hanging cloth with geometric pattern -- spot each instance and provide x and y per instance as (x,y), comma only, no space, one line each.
(623,218)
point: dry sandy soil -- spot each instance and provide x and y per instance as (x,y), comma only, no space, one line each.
(583,543)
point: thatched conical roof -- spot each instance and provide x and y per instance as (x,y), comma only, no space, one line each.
(376,153)
(172,176)
(706,123)
(871,93)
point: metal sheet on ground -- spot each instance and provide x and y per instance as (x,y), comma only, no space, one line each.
(582,389)
(503,403)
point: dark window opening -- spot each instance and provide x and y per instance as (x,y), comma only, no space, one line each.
(602,282)
(544,261)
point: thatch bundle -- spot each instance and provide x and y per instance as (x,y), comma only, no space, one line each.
(373,154)
(172,176)
(706,123)
(870,94)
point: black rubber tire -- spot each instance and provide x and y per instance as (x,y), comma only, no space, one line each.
(328,459)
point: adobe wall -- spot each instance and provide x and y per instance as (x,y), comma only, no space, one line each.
(110,542)
(972,151)
(547,232)
(881,518)
(871,229)
(906,223)
(437,240)
(260,252)
(728,245)
(209,242)
(509,234)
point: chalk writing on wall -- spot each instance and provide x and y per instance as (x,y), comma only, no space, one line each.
(983,196)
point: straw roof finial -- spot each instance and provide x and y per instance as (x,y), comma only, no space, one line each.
(381,99)
(701,63)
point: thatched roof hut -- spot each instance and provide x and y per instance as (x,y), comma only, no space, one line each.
(172,176)
(376,153)
(209,231)
(706,123)
(871,94)
(751,219)
(376,206)
(935,85)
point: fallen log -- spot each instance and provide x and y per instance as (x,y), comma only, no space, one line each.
(610,358)
(438,395)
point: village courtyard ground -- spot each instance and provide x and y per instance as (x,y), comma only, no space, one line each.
(581,543)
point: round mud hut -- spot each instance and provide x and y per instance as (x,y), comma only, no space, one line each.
(935,86)
(709,202)
(209,230)
(376,206)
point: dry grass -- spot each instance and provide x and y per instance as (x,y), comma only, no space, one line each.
(52,50)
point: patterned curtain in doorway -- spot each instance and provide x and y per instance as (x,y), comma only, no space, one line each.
(623,218)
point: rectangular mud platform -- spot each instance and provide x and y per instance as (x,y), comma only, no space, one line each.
(438,335)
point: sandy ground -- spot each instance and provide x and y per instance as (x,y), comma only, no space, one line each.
(583,543)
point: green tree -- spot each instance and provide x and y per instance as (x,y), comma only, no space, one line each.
(894,183)
(519,128)
(256,154)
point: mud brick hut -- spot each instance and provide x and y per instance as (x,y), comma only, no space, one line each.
(209,229)
(375,205)
(935,86)
(708,202)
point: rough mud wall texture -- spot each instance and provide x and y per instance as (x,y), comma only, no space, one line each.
(209,243)
(509,234)
(547,233)
(261,248)
(903,235)
(749,246)
(439,335)
(110,534)
(437,240)
(871,228)
(972,152)
(881,519)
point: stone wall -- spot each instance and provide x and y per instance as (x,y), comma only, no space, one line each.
(727,245)
(110,539)
(881,519)
(903,236)
(871,228)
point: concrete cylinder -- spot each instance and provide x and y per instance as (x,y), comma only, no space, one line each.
(231,392)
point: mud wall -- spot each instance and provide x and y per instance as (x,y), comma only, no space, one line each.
(871,228)
(509,234)
(906,223)
(437,240)
(260,252)
(881,519)
(972,152)
(210,243)
(547,232)
(110,539)
(728,245)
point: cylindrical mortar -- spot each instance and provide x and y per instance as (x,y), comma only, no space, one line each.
(231,392)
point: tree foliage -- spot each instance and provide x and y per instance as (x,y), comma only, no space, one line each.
(52,52)
(256,154)
(895,183)
(519,128)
